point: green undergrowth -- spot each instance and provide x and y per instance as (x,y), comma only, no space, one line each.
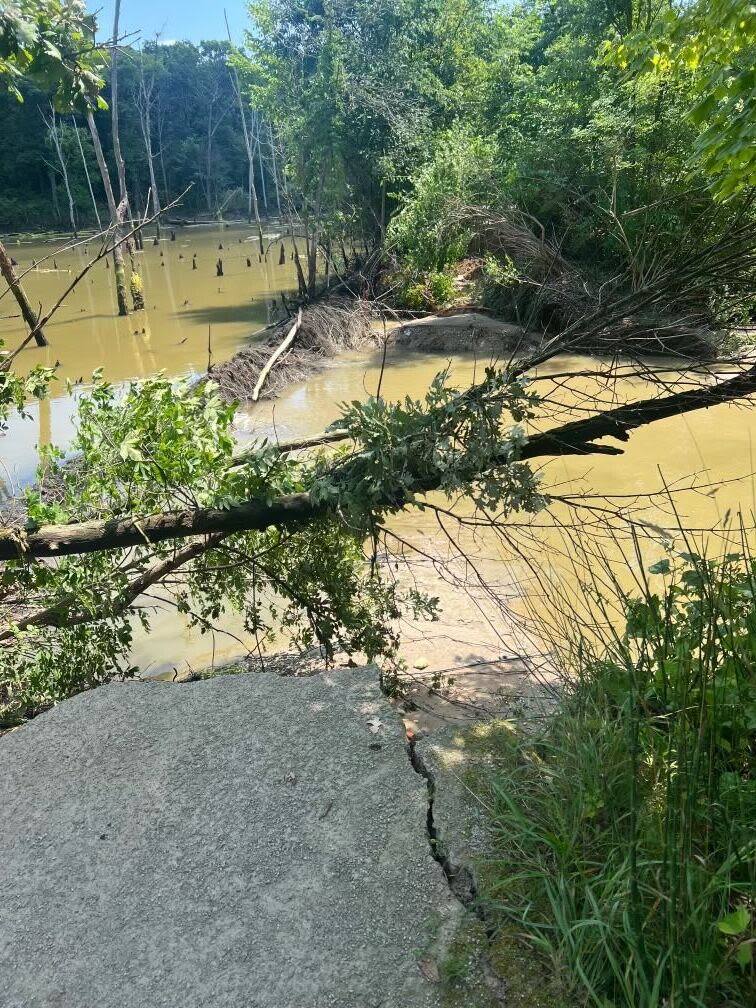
(623,833)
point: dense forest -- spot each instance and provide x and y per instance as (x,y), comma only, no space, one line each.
(578,176)
(620,132)
(184,95)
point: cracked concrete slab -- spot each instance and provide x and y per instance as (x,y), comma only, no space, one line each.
(245,841)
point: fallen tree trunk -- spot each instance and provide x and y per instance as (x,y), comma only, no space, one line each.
(119,533)
(276,355)
(576,438)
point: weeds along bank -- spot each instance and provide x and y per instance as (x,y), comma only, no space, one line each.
(621,832)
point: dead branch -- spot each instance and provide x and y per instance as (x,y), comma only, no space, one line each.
(59,613)
(275,356)
(662,308)
(326,329)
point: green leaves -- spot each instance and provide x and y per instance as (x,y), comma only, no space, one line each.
(49,42)
(450,441)
(709,46)
(160,445)
(460,170)
(17,391)
(735,923)
(660,567)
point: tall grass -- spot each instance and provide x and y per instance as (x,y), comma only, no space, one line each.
(626,832)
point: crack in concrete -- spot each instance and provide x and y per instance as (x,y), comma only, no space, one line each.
(459,877)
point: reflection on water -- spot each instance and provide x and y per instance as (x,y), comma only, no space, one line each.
(189,313)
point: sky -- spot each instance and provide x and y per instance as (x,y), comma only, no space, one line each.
(174,20)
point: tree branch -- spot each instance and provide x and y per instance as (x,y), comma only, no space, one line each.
(59,614)
(576,438)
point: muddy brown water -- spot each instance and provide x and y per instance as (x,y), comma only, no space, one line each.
(188,314)
(713,449)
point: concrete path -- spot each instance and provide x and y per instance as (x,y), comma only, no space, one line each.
(247,841)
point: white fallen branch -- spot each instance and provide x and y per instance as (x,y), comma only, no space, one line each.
(276,355)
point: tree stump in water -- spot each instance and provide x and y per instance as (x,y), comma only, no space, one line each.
(282,257)
(137,292)
(219,268)
(194,262)
(249,262)
(173,236)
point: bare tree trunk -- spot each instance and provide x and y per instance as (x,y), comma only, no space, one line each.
(123,212)
(118,263)
(301,282)
(312,246)
(145,121)
(208,188)
(212,128)
(258,146)
(102,165)
(28,313)
(153,180)
(252,205)
(161,145)
(54,192)
(120,165)
(86,173)
(52,128)
(275,170)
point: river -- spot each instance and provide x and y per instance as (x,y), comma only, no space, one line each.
(714,446)
(188,313)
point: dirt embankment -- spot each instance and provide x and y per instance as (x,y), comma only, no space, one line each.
(467,331)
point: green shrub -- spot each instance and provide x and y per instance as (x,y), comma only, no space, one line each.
(460,171)
(414,296)
(436,290)
(441,288)
(625,833)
